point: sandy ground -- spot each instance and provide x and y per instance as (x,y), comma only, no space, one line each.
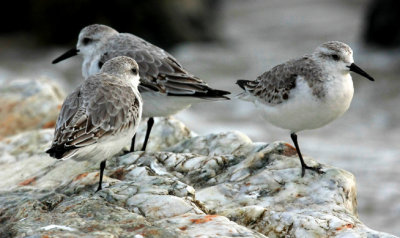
(256,36)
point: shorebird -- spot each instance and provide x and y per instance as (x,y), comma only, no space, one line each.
(99,116)
(306,93)
(166,87)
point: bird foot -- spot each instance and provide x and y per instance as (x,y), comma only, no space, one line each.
(125,152)
(317,169)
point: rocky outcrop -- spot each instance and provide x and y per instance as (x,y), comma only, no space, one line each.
(217,185)
(28,104)
(184,185)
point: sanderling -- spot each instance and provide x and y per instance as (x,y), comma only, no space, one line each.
(306,93)
(166,87)
(98,118)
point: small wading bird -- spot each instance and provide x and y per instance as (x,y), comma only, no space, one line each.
(306,93)
(166,87)
(98,118)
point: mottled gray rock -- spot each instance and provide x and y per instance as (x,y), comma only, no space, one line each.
(28,104)
(23,160)
(217,185)
(57,215)
(166,132)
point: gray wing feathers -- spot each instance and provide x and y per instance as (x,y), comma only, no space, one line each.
(69,108)
(95,110)
(162,75)
(274,86)
(158,70)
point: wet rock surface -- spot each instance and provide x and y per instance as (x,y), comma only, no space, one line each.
(217,185)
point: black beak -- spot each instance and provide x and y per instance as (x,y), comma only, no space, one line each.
(353,67)
(66,55)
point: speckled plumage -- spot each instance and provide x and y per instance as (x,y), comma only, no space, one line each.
(166,86)
(106,106)
(305,93)
(275,85)
(96,28)
(299,89)
(338,47)
(159,71)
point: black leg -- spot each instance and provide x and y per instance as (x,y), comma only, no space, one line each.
(303,164)
(133,144)
(102,167)
(150,124)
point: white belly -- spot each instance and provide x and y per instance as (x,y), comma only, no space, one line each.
(109,145)
(161,105)
(304,111)
(103,149)
(90,66)
(154,104)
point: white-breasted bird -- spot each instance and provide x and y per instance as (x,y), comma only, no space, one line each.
(99,116)
(166,87)
(305,93)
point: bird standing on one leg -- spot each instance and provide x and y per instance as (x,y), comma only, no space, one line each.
(166,87)
(99,117)
(306,93)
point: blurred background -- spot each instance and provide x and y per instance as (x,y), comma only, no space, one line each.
(221,41)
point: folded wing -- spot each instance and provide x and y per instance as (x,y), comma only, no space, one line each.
(159,71)
(274,86)
(97,109)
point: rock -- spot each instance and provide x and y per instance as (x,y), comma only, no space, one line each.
(25,153)
(166,132)
(217,185)
(194,225)
(28,104)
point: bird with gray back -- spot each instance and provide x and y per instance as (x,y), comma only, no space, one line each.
(305,93)
(166,87)
(100,116)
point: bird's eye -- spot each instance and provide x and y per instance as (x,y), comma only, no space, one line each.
(335,57)
(86,41)
(100,64)
(134,70)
